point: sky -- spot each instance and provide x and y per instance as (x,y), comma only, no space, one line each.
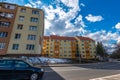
(97,19)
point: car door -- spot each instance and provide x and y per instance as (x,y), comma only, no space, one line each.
(6,69)
(22,69)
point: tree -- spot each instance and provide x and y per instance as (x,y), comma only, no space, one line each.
(100,50)
(116,53)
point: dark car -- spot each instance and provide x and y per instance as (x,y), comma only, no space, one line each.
(18,70)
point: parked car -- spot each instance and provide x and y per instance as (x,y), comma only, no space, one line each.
(16,69)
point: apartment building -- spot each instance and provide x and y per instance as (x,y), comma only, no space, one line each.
(21,30)
(86,47)
(68,47)
(59,46)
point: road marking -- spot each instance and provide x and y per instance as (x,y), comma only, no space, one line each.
(71,69)
(111,77)
(66,69)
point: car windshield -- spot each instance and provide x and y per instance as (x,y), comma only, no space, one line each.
(29,63)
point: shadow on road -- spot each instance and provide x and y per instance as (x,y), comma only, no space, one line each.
(50,74)
(105,65)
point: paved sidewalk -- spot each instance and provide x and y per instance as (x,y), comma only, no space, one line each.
(111,77)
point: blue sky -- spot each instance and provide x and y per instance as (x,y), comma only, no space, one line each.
(97,19)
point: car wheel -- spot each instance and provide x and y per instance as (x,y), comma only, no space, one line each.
(34,76)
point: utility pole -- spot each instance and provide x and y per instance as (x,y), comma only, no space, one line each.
(79,58)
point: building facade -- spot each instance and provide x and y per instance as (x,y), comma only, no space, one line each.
(68,47)
(86,47)
(21,30)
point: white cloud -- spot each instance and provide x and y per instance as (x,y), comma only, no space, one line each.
(61,21)
(79,21)
(92,18)
(117,26)
(82,4)
(105,38)
(28,5)
(34,4)
(118,40)
(71,3)
(47,24)
(58,21)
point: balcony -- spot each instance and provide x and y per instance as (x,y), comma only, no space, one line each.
(6,15)
(7,7)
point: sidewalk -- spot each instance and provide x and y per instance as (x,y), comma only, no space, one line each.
(67,65)
(111,77)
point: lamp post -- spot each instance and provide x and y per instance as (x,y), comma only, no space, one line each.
(79,57)
(78,53)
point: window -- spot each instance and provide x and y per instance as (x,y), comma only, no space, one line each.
(83,55)
(6,63)
(15,46)
(34,19)
(17,36)
(31,37)
(2,45)
(65,55)
(4,24)
(20,26)
(30,47)
(33,28)
(3,34)
(21,18)
(64,40)
(82,44)
(23,10)
(82,51)
(9,6)
(51,55)
(35,12)
(64,51)
(6,15)
(21,64)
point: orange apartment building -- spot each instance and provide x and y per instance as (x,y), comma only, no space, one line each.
(68,47)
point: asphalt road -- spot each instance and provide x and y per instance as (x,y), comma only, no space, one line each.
(93,71)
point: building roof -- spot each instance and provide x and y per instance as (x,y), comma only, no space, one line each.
(46,37)
(20,6)
(56,37)
(84,38)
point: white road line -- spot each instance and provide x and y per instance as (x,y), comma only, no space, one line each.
(69,69)
(111,77)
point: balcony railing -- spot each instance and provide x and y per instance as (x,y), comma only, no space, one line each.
(7,6)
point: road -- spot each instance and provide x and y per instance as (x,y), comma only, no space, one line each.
(93,71)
